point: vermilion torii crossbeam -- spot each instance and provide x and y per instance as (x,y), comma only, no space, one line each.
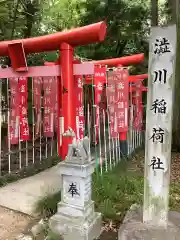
(124,61)
(143,89)
(76,37)
(135,78)
(54,70)
(131,78)
(47,71)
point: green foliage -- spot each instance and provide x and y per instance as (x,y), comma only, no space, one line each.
(6,18)
(52,236)
(115,192)
(127,27)
(19,18)
(48,205)
(128,24)
(38,59)
(61,15)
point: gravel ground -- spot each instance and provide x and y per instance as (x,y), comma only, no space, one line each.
(12,224)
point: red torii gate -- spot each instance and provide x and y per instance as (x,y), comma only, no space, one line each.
(123,61)
(116,61)
(65,42)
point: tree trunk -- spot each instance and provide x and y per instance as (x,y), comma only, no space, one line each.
(154,12)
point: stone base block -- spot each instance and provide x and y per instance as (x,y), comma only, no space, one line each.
(69,230)
(134,229)
(76,213)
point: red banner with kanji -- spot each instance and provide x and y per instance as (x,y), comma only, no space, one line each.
(111,102)
(50,88)
(89,93)
(23,105)
(99,81)
(14,111)
(58,114)
(122,98)
(56,83)
(79,107)
(139,107)
(37,88)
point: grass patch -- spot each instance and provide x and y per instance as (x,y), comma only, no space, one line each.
(47,206)
(174,196)
(52,236)
(115,192)
(31,170)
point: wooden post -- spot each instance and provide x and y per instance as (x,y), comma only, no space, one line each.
(162,59)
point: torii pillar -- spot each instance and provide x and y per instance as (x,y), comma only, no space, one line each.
(68,99)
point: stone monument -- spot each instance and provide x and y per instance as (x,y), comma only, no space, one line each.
(76,218)
(154,221)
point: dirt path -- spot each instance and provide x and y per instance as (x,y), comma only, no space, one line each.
(12,224)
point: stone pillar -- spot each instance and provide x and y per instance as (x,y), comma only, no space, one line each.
(154,220)
(76,218)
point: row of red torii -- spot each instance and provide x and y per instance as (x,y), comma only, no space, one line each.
(68,71)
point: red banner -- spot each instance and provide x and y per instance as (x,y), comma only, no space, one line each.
(14,111)
(99,81)
(50,88)
(111,89)
(37,88)
(23,103)
(113,121)
(139,108)
(79,107)
(111,101)
(56,103)
(122,99)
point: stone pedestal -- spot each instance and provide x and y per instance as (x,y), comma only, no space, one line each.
(134,229)
(76,218)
